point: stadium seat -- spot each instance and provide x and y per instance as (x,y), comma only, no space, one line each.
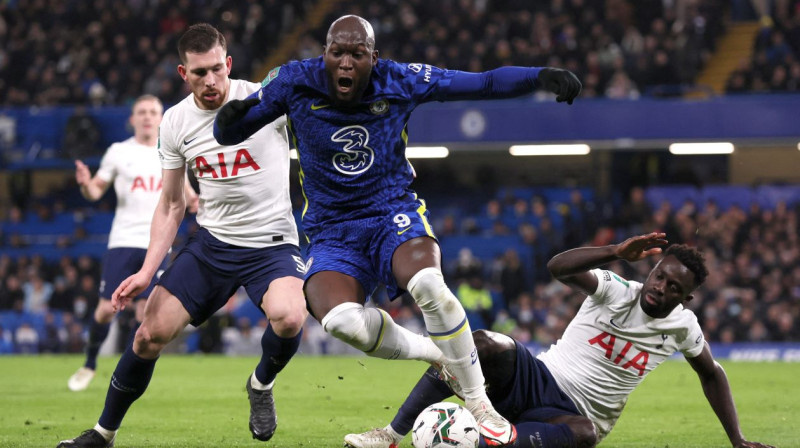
(768,196)
(675,195)
(726,196)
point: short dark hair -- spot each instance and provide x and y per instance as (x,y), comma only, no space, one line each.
(200,38)
(691,258)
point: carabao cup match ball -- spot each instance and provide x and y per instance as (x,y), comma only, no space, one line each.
(445,425)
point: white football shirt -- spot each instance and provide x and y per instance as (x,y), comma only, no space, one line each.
(136,173)
(611,345)
(244,188)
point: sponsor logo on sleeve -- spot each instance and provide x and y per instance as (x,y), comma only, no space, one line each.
(270,76)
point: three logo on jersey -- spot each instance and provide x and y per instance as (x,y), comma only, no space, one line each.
(356,157)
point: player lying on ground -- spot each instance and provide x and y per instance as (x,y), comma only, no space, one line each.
(572,394)
(347,113)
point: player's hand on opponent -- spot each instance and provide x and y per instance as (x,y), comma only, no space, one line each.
(234,110)
(562,82)
(642,246)
(82,173)
(129,289)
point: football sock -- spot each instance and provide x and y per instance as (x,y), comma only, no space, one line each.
(541,435)
(106,433)
(276,352)
(394,434)
(129,381)
(373,331)
(97,334)
(428,390)
(449,329)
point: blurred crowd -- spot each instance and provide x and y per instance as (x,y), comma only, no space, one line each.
(111,51)
(97,52)
(775,65)
(618,48)
(752,293)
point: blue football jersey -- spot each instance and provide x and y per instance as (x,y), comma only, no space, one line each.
(352,161)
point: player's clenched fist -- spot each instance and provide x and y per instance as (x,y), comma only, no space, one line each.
(563,83)
(234,110)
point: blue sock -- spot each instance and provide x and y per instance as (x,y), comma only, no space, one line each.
(428,390)
(275,354)
(97,334)
(129,381)
(541,435)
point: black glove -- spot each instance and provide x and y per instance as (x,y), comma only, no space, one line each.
(234,110)
(563,83)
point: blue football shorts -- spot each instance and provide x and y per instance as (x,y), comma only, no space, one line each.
(363,248)
(207,272)
(533,395)
(120,263)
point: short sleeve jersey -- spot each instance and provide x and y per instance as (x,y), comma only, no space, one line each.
(244,188)
(136,174)
(353,162)
(611,345)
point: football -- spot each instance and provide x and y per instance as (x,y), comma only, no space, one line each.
(445,425)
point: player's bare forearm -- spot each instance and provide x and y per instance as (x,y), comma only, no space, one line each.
(718,393)
(166,219)
(582,259)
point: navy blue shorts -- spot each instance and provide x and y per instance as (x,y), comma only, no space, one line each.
(207,272)
(363,248)
(534,395)
(120,263)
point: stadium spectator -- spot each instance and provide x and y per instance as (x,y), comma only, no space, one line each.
(248,238)
(353,86)
(572,394)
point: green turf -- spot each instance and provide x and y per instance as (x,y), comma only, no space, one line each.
(199,401)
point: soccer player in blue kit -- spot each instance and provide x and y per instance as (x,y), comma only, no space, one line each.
(347,113)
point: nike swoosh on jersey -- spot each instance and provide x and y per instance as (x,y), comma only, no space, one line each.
(318,106)
(400,232)
(612,323)
(186,142)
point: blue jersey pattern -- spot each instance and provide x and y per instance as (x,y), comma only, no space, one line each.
(352,161)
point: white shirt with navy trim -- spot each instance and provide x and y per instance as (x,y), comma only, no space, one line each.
(611,345)
(244,188)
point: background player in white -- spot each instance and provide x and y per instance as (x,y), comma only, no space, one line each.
(573,394)
(247,238)
(134,169)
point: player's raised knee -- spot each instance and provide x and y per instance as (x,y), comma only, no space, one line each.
(289,324)
(429,290)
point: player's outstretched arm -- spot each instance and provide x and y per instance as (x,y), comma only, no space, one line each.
(510,82)
(718,393)
(572,267)
(166,219)
(92,188)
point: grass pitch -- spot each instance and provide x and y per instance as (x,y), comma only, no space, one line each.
(200,401)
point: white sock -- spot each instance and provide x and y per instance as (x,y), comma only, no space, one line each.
(258,385)
(395,435)
(106,433)
(373,331)
(449,328)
